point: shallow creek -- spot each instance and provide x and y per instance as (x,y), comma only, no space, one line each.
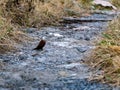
(60,65)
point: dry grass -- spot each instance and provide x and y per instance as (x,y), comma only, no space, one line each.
(106,56)
(116,3)
(9,36)
(9,33)
(5,29)
(36,13)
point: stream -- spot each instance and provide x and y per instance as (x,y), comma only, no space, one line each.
(60,66)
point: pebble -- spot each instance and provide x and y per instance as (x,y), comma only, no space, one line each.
(82,49)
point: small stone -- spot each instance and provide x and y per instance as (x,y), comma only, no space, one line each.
(104,3)
(63,73)
(1,60)
(87,38)
(57,35)
(69,66)
(23,57)
(4,60)
(82,49)
(30,30)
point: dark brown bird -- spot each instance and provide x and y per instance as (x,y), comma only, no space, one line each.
(40,45)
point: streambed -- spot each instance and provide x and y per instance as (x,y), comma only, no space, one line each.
(60,65)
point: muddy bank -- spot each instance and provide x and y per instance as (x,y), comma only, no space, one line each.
(60,65)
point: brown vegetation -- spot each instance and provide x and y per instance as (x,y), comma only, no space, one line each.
(9,33)
(38,13)
(116,3)
(106,56)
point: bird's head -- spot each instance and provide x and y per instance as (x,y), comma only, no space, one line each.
(43,38)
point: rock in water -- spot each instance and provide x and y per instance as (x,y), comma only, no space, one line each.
(104,3)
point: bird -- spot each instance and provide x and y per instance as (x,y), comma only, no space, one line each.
(40,45)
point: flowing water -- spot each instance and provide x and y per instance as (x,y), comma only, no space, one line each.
(60,65)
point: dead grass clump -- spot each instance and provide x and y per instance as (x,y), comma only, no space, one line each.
(116,3)
(9,33)
(5,30)
(19,11)
(106,56)
(8,36)
(42,12)
(50,12)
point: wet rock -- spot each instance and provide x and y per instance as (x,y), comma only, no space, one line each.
(11,80)
(31,30)
(2,82)
(23,57)
(1,60)
(62,44)
(87,38)
(81,28)
(78,84)
(4,60)
(13,83)
(63,73)
(104,3)
(83,20)
(68,66)
(16,76)
(57,35)
(4,88)
(82,49)
(28,78)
